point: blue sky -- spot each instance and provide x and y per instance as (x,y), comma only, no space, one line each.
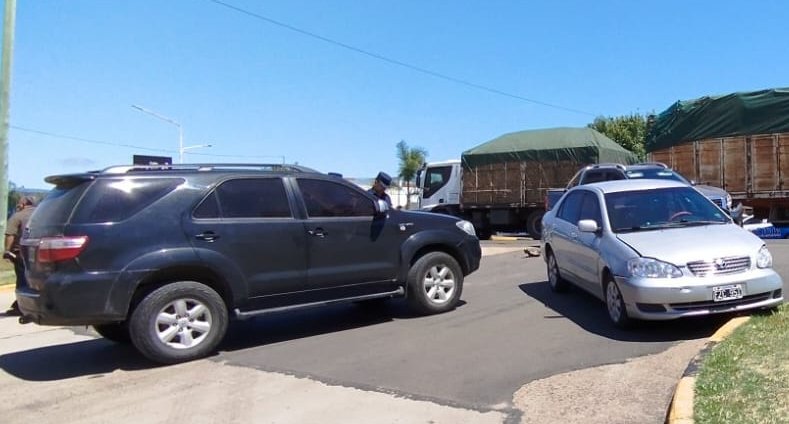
(259,92)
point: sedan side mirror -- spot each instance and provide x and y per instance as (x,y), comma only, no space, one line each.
(588,226)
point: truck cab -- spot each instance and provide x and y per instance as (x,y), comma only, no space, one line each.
(440,184)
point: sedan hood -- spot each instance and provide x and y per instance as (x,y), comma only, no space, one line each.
(688,244)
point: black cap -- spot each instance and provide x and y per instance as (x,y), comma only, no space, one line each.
(384,179)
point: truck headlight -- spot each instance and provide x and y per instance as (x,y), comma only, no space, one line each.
(652,268)
(764,259)
(467,227)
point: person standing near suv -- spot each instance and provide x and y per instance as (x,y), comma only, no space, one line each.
(381,183)
(16,225)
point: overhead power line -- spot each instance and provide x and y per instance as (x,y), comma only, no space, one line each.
(131,146)
(395,61)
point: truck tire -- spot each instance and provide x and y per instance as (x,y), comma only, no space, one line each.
(534,224)
(178,322)
(435,282)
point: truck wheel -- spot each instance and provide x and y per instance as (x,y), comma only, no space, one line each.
(534,224)
(178,322)
(483,233)
(435,283)
(117,332)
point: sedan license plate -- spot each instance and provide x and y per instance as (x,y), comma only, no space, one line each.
(731,292)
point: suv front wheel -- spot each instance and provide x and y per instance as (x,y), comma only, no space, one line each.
(435,283)
(178,322)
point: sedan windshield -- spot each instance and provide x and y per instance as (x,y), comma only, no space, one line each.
(660,208)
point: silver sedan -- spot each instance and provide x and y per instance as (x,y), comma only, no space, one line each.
(653,249)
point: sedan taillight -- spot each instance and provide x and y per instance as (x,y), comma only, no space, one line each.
(57,249)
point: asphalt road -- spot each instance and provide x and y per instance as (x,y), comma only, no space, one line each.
(512,352)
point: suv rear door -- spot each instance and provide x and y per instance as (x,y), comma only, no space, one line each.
(249,223)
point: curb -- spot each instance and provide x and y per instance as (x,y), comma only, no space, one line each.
(681,408)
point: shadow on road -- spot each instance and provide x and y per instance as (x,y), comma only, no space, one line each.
(589,313)
(291,325)
(99,356)
(89,357)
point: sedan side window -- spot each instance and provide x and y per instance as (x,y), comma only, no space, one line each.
(327,198)
(590,208)
(571,207)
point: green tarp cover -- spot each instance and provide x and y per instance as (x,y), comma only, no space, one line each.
(755,112)
(581,145)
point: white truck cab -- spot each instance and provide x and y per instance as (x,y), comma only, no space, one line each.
(440,184)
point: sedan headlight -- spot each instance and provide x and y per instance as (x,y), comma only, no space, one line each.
(467,227)
(764,259)
(652,268)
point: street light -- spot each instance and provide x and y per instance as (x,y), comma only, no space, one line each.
(171,121)
(183,149)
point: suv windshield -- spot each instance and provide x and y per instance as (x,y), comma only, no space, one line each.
(662,208)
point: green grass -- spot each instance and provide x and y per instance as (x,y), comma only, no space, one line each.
(745,378)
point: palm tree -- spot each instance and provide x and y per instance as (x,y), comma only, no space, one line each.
(411,159)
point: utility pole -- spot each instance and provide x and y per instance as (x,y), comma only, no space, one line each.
(9,16)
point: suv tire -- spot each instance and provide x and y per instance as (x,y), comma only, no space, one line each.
(178,322)
(117,332)
(435,283)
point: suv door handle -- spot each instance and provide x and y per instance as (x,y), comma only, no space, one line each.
(318,232)
(207,236)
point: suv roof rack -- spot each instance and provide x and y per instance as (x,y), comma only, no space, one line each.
(607,165)
(271,167)
(660,164)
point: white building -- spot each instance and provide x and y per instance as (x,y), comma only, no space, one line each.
(397,191)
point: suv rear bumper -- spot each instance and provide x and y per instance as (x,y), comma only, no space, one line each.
(84,302)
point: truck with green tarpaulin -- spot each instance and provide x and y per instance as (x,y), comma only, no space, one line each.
(737,141)
(501,185)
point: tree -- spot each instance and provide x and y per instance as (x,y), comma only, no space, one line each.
(411,159)
(629,131)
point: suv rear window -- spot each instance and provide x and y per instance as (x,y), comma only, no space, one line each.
(117,199)
(58,204)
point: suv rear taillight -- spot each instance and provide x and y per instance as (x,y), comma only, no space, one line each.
(57,249)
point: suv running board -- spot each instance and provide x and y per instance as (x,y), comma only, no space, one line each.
(246,315)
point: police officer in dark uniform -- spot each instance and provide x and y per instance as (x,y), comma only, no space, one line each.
(16,225)
(381,183)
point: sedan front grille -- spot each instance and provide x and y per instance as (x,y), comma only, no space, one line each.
(720,266)
(713,306)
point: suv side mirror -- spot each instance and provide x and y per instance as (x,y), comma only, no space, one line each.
(381,207)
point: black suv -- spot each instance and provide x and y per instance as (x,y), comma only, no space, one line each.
(165,256)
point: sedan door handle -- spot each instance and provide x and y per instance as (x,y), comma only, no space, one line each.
(318,232)
(208,236)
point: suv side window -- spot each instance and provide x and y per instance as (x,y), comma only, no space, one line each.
(571,207)
(326,198)
(114,200)
(246,198)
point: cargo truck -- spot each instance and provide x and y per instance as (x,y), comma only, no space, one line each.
(739,142)
(501,185)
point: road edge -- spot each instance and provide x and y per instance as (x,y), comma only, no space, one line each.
(681,408)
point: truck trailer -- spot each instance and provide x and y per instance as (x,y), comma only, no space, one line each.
(738,141)
(501,185)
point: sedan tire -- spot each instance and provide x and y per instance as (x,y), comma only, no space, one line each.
(615,305)
(178,322)
(555,280)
